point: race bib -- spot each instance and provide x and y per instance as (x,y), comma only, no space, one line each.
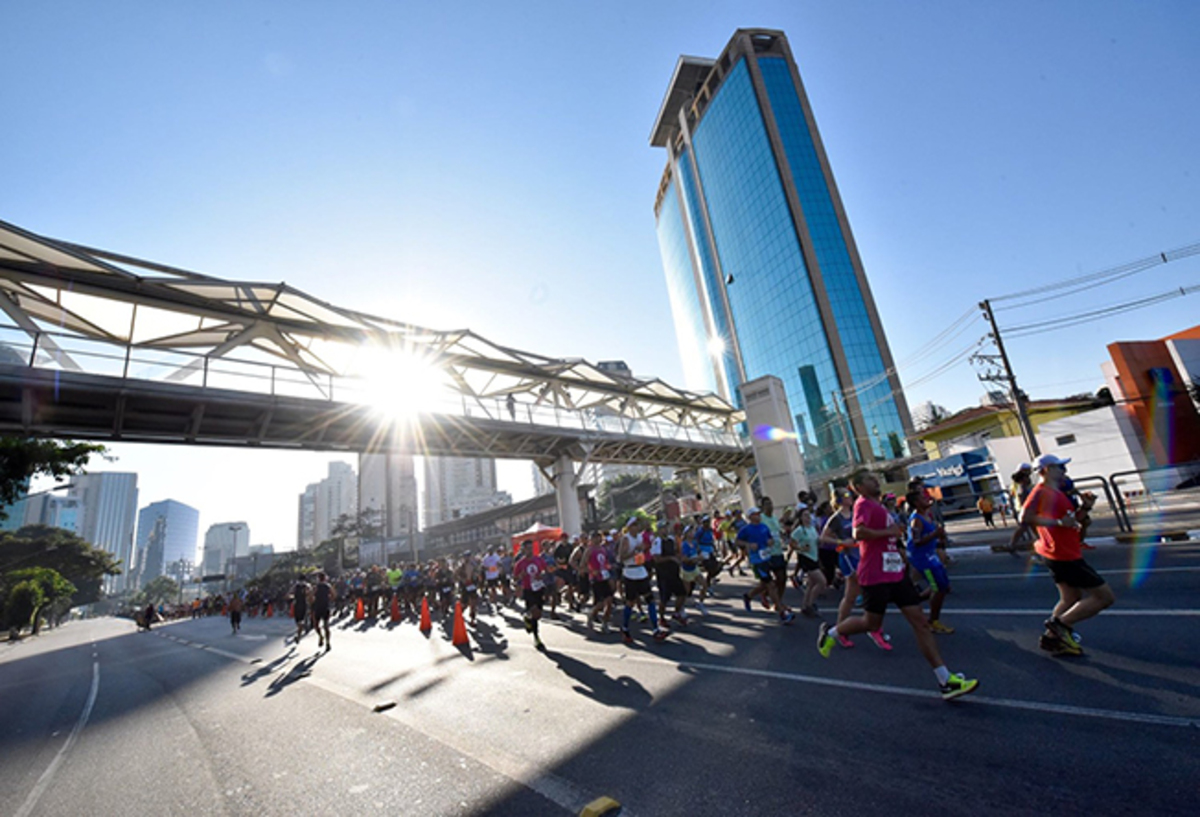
(892,562)
(470,588)
(604,574)
(536,584)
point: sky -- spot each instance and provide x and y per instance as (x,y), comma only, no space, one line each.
(487,165)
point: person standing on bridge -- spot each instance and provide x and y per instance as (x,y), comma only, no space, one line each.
(1082,593)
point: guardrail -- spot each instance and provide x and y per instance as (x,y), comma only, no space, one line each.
(1192,466)
(56,350)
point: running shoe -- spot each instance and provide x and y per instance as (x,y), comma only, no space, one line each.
(957,685)
(528,624)
(643,617)
(844,642)
(681,620)
(626,637)
(537,642)
(700,606)
(938,627)
(825,641)
(661,634)
(766,603)
(881,640)
(788,617)
(746,602)
(604,626)
(591,622)
(1065,635)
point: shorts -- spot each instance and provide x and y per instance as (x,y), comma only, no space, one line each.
(902,593)
(828,559)
(669,584)
(778,565)
(689,574)
(1074,573)
(300,613)
(808,564)
(583,584)
(762,571)
(493,582)
(534,598)
(601,590)
(712,566)
(321,614)
(937,577)
(235,617)
(471,591)
(637,589)
(848,563)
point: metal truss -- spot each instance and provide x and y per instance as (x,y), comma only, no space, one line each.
(90,313)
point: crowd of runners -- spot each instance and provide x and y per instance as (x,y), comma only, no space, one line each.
(860,549)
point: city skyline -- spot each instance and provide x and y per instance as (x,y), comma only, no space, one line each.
(977,154)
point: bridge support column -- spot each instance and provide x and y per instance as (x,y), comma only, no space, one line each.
(743,487)
(566,489)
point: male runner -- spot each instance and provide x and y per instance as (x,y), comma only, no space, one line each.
(467,574)
(755,538)
(1082,593)
(633,553)
(884,580)
(300,605)
(924,537)
(322,605)
(530,569)
(236,605)
(601,580)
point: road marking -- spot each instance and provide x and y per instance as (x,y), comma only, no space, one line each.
(1107,613)
(44,781)
(928,694)
(1040,571)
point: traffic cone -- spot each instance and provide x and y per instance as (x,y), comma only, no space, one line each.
(426,624)
(359,612)
(292,610)
(459,638)
(270,610)
(395,608)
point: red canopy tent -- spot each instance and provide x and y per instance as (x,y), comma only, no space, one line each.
(536,532)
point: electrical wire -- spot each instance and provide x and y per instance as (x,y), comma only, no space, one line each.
(1067,321)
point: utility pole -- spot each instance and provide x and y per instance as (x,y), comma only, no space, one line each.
(1009,379)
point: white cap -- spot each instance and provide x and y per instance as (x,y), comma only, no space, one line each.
(752,511)
(1049,459)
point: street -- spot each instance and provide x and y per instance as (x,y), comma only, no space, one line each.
(733,715)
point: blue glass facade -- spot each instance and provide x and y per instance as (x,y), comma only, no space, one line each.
(683,295)
(772,305)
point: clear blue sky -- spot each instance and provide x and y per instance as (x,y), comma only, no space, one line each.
(486,165)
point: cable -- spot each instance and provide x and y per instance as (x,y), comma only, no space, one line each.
(1067,321)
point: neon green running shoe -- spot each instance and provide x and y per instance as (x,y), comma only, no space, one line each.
(825,641)
(957,685)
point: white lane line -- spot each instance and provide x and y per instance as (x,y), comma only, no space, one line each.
(1042,572)
(1009,703)
(1044,612)
(44,781)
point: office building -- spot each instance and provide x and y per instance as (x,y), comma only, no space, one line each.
(460,486)
(762,270)
(324,503)
(224,542)
(108,502)
(387,493)
(166,541)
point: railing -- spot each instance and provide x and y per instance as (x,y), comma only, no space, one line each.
(50,351)
(1176,500)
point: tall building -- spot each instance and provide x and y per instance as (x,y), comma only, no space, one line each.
(460,486)
(166,540)
(324,502)
(224,542)
(108,502)
(387,488)
(762,270)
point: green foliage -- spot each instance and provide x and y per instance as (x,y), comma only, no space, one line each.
(621,496)
(73,558)
(159,590)
(22,459)
(49,589)
(23,600)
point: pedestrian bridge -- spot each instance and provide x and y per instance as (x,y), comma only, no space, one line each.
(100,346)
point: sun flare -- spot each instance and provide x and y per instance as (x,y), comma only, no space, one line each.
(398,383)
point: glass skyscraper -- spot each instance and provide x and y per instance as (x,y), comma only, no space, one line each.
(762,270)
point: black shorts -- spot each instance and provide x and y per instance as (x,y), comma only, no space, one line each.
(321,613)
(711,565)
(300,613)
(637,589)
(762,571)
(534,598)
(602,590)
(876,597)
(827,558)
(807,564)
(583,584)
(778,565)
(235,617)
(1074,573)
(669,584)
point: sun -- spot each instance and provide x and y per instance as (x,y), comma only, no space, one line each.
(397,383)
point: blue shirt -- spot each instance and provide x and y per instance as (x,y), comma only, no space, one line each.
(922,556)
(758,541)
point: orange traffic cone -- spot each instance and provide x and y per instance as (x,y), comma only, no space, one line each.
(395,608)
(270,610)
(292,610)
(426,624)
(459,638)
(359,612)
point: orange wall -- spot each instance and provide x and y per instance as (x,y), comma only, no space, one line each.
(1166,416)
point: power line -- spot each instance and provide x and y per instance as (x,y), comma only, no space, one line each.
(1067,321)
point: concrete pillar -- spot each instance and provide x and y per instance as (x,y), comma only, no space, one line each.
(743,487)
(566,485)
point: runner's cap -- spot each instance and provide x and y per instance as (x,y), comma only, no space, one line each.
(1049,459)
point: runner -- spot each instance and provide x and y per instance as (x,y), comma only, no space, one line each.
(467,574)
(884,580)
(300,605)
(689,571)
(599,570)
(236,605)
(530,569)
(322,605)
(839,531)
(491,574)
(778,556)
(804,543)
(633,553)
(670,583)
(924,536)
(756,539)
(1082,593)
(1022,484)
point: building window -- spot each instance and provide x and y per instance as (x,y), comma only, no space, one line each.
(1065,439)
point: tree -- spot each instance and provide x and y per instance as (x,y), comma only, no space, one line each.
(159,590)
(19,606)
(21,459)
(623,494)
(76,560)
(50,589)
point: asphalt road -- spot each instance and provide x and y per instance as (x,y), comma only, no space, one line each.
(734,715)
